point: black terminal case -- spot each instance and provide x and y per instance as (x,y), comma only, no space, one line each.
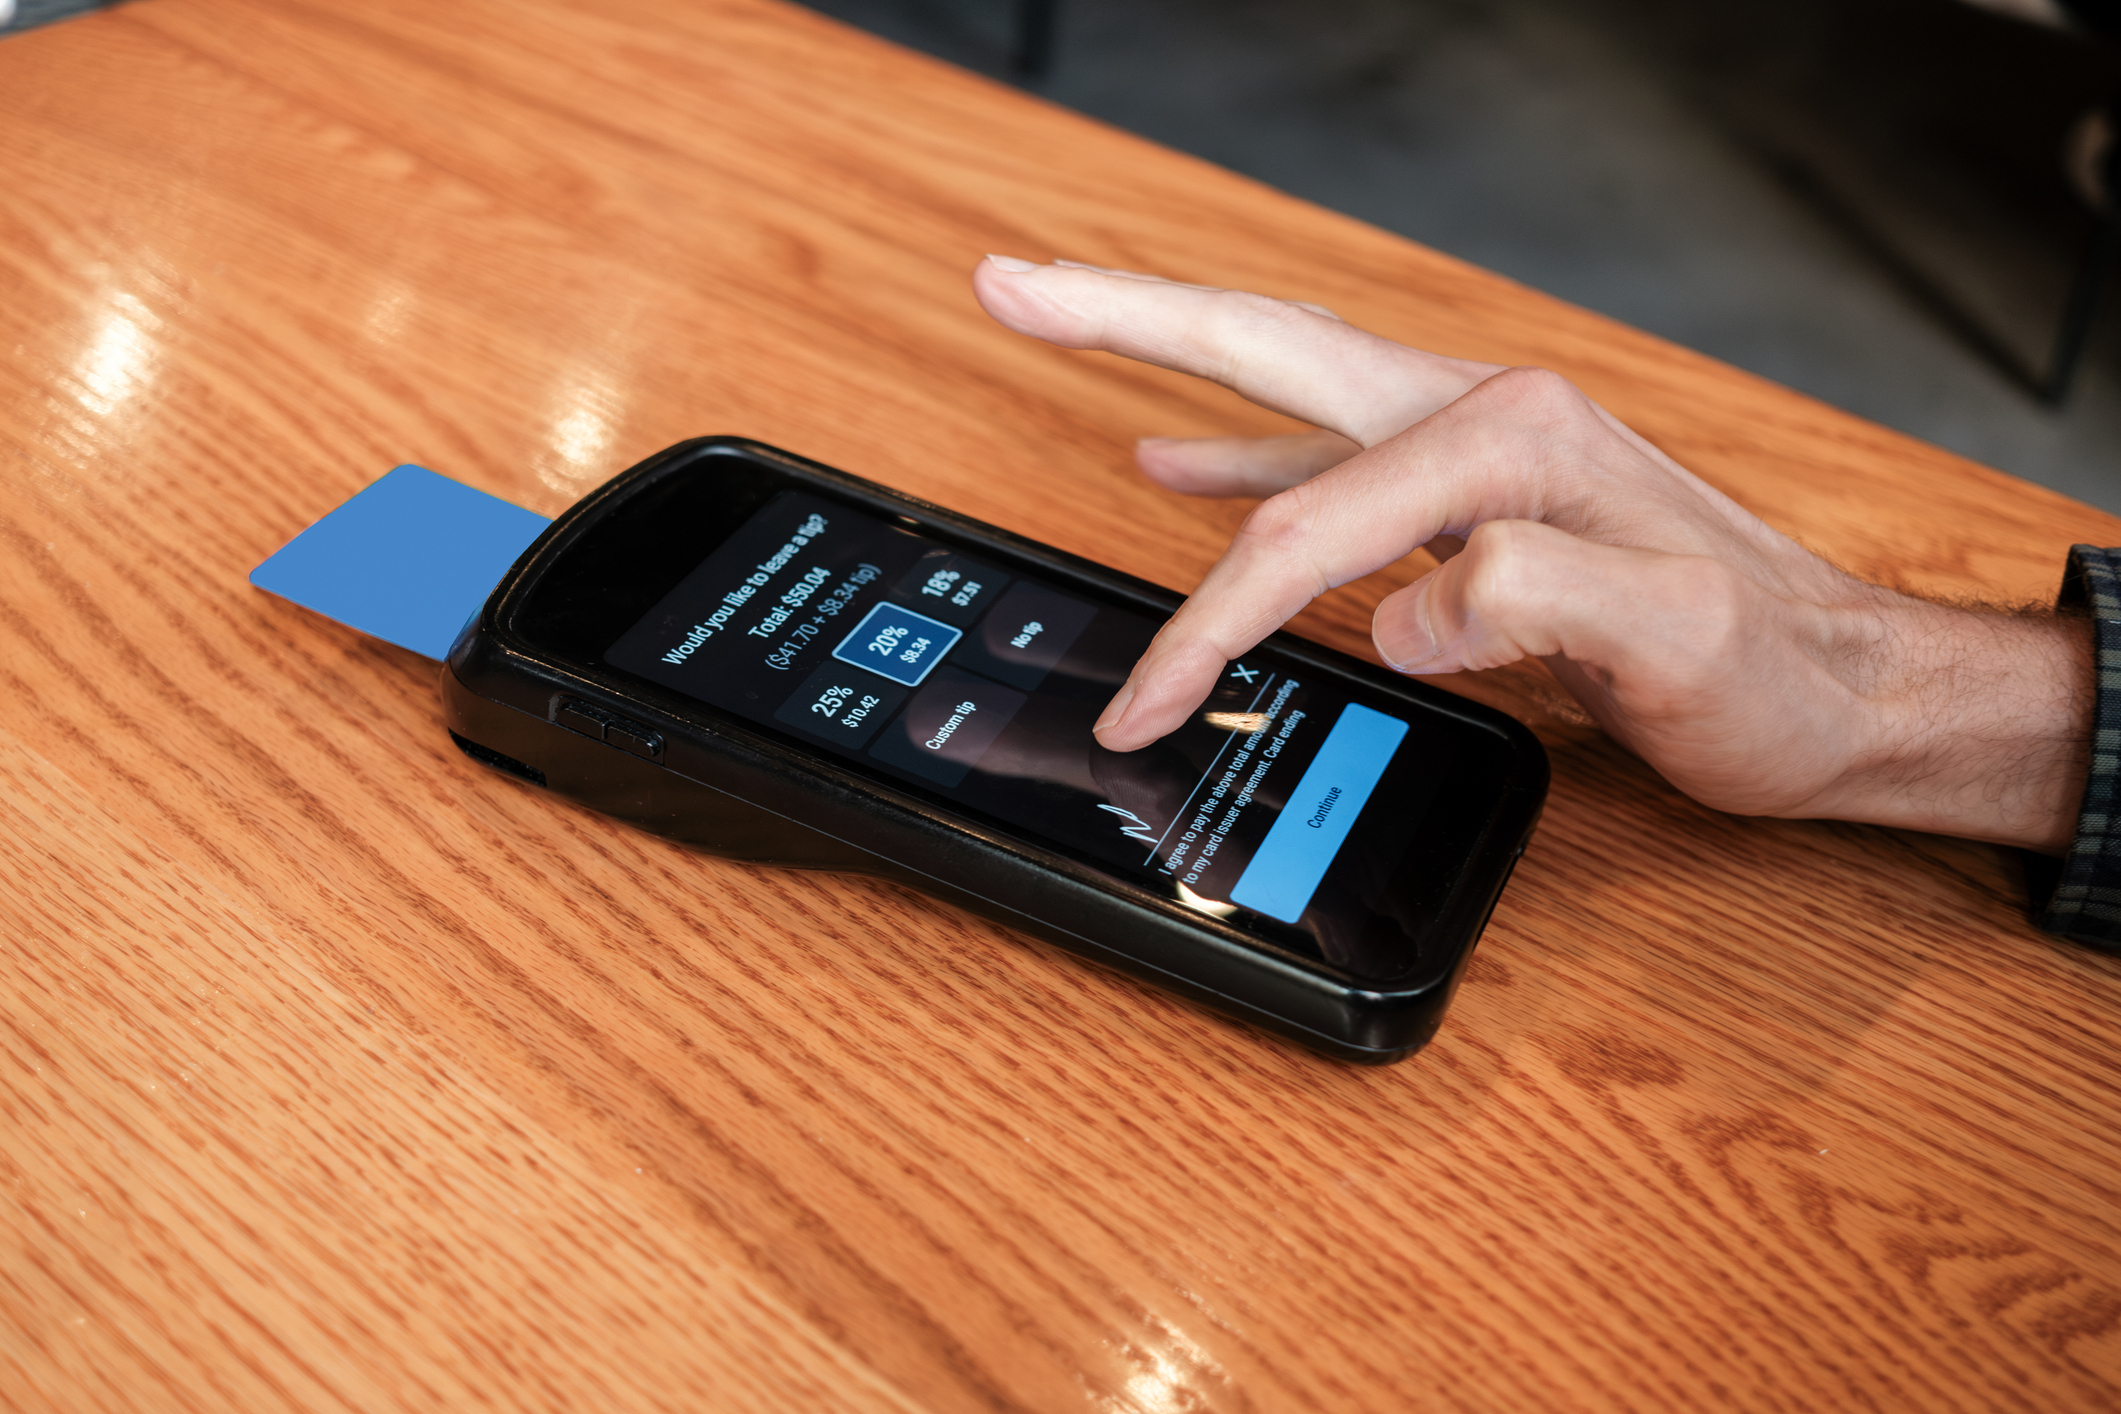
(565,721)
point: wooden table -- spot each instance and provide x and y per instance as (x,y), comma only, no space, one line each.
(342,1074)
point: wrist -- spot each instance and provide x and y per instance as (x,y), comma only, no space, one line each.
(1980,722)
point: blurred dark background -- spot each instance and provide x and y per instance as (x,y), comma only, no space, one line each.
(1868,200)
(1885,203)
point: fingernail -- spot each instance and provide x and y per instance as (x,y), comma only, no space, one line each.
(1115,709)
(1409,664)
(1418,648)
(1010,264)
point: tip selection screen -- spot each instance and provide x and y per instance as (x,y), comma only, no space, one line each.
(937,667)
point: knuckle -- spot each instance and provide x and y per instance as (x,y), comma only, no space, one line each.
(1538,401)
(1544,388)
(1280,523)
(1548,435)
(1500,562)
(1534,387)
(1286,542)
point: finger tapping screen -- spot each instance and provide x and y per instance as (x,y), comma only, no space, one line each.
(981,685)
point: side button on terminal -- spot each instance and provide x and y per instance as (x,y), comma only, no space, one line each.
(610,728)
(579,717)
(633,737)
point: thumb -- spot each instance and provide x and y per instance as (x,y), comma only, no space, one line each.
(1524,589)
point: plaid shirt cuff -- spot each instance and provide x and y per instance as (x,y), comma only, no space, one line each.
(2082,890)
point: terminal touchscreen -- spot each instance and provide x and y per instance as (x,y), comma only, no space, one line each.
(841,658)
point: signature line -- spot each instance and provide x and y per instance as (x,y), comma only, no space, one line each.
(1205,774)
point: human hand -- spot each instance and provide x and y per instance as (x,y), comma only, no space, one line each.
(1751,673)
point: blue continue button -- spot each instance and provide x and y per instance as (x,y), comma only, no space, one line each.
(1294,856)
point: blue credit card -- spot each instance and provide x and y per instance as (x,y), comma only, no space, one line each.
(409,560)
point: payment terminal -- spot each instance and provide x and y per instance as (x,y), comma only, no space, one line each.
(780,663)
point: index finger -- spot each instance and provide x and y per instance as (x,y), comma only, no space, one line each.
(1293,358)
(1366,513)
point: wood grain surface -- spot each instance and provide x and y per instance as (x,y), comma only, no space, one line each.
(340,1074)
